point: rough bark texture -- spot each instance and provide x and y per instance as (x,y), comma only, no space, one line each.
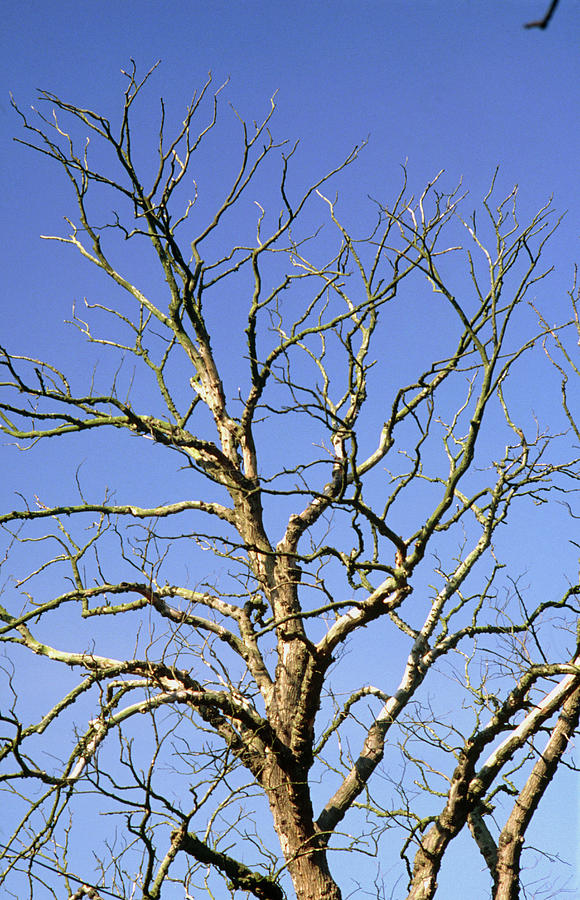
(306,858)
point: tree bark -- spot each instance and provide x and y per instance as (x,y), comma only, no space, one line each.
(291,808)
(507,885)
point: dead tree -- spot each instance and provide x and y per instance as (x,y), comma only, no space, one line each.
(320,498)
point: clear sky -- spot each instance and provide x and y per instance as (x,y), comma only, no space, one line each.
(460,86)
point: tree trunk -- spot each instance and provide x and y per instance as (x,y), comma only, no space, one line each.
(291,808)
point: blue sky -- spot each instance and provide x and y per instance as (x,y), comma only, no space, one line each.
(460,86)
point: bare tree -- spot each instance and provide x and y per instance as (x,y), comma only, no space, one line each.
(324,503)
